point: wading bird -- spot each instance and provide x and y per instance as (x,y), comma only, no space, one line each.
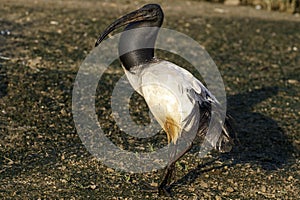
(180,103)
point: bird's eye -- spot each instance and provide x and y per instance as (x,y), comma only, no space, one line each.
(151,10)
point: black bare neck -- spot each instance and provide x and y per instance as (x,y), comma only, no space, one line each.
(136,45)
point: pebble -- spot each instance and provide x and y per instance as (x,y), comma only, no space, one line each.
(93,187)
(263,188)
(154,184)
(293,81)
(53,22)
(290,178)
(230,180)
(220,10)
(258,7)
(110,170)
(229,189)
(203,184)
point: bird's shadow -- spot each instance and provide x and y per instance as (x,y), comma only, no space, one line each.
(262,141)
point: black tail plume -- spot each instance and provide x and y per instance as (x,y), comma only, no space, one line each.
(225,141)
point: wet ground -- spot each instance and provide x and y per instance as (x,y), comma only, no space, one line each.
(42,45)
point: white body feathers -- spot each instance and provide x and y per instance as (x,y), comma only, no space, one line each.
(173,95)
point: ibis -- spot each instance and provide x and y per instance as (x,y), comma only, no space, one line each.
(179,102)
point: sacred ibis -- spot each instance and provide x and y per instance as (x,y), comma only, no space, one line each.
(180,103)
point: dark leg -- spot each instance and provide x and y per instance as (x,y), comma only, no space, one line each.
(166,179)
(167,176)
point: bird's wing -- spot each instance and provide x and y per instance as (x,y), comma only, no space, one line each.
(202,109)
(214,123)
(171,85)
(181,80)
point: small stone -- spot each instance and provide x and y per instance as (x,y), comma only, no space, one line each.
(229,189)
(110,170)
(93,187)
(290,178)
(63,180)
(206,194)
(293,81)
(263,188)
(33,63)
(220,10)
(232,2)
(187,24)
(203,184)
(53,22)
(218,198)
(230,180)
(153,184)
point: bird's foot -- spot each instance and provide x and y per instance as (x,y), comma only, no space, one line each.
(164,191)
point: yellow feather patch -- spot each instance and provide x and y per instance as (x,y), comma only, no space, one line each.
(172,129)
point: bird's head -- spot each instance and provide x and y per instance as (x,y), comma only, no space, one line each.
(150,15)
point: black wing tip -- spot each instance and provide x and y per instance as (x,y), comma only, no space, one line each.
(228,136)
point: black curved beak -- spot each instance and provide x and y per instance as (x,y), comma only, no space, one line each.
(142,14)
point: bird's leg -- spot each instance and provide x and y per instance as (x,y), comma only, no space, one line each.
(166,179)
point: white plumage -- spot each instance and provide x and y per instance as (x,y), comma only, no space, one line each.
(172,93)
